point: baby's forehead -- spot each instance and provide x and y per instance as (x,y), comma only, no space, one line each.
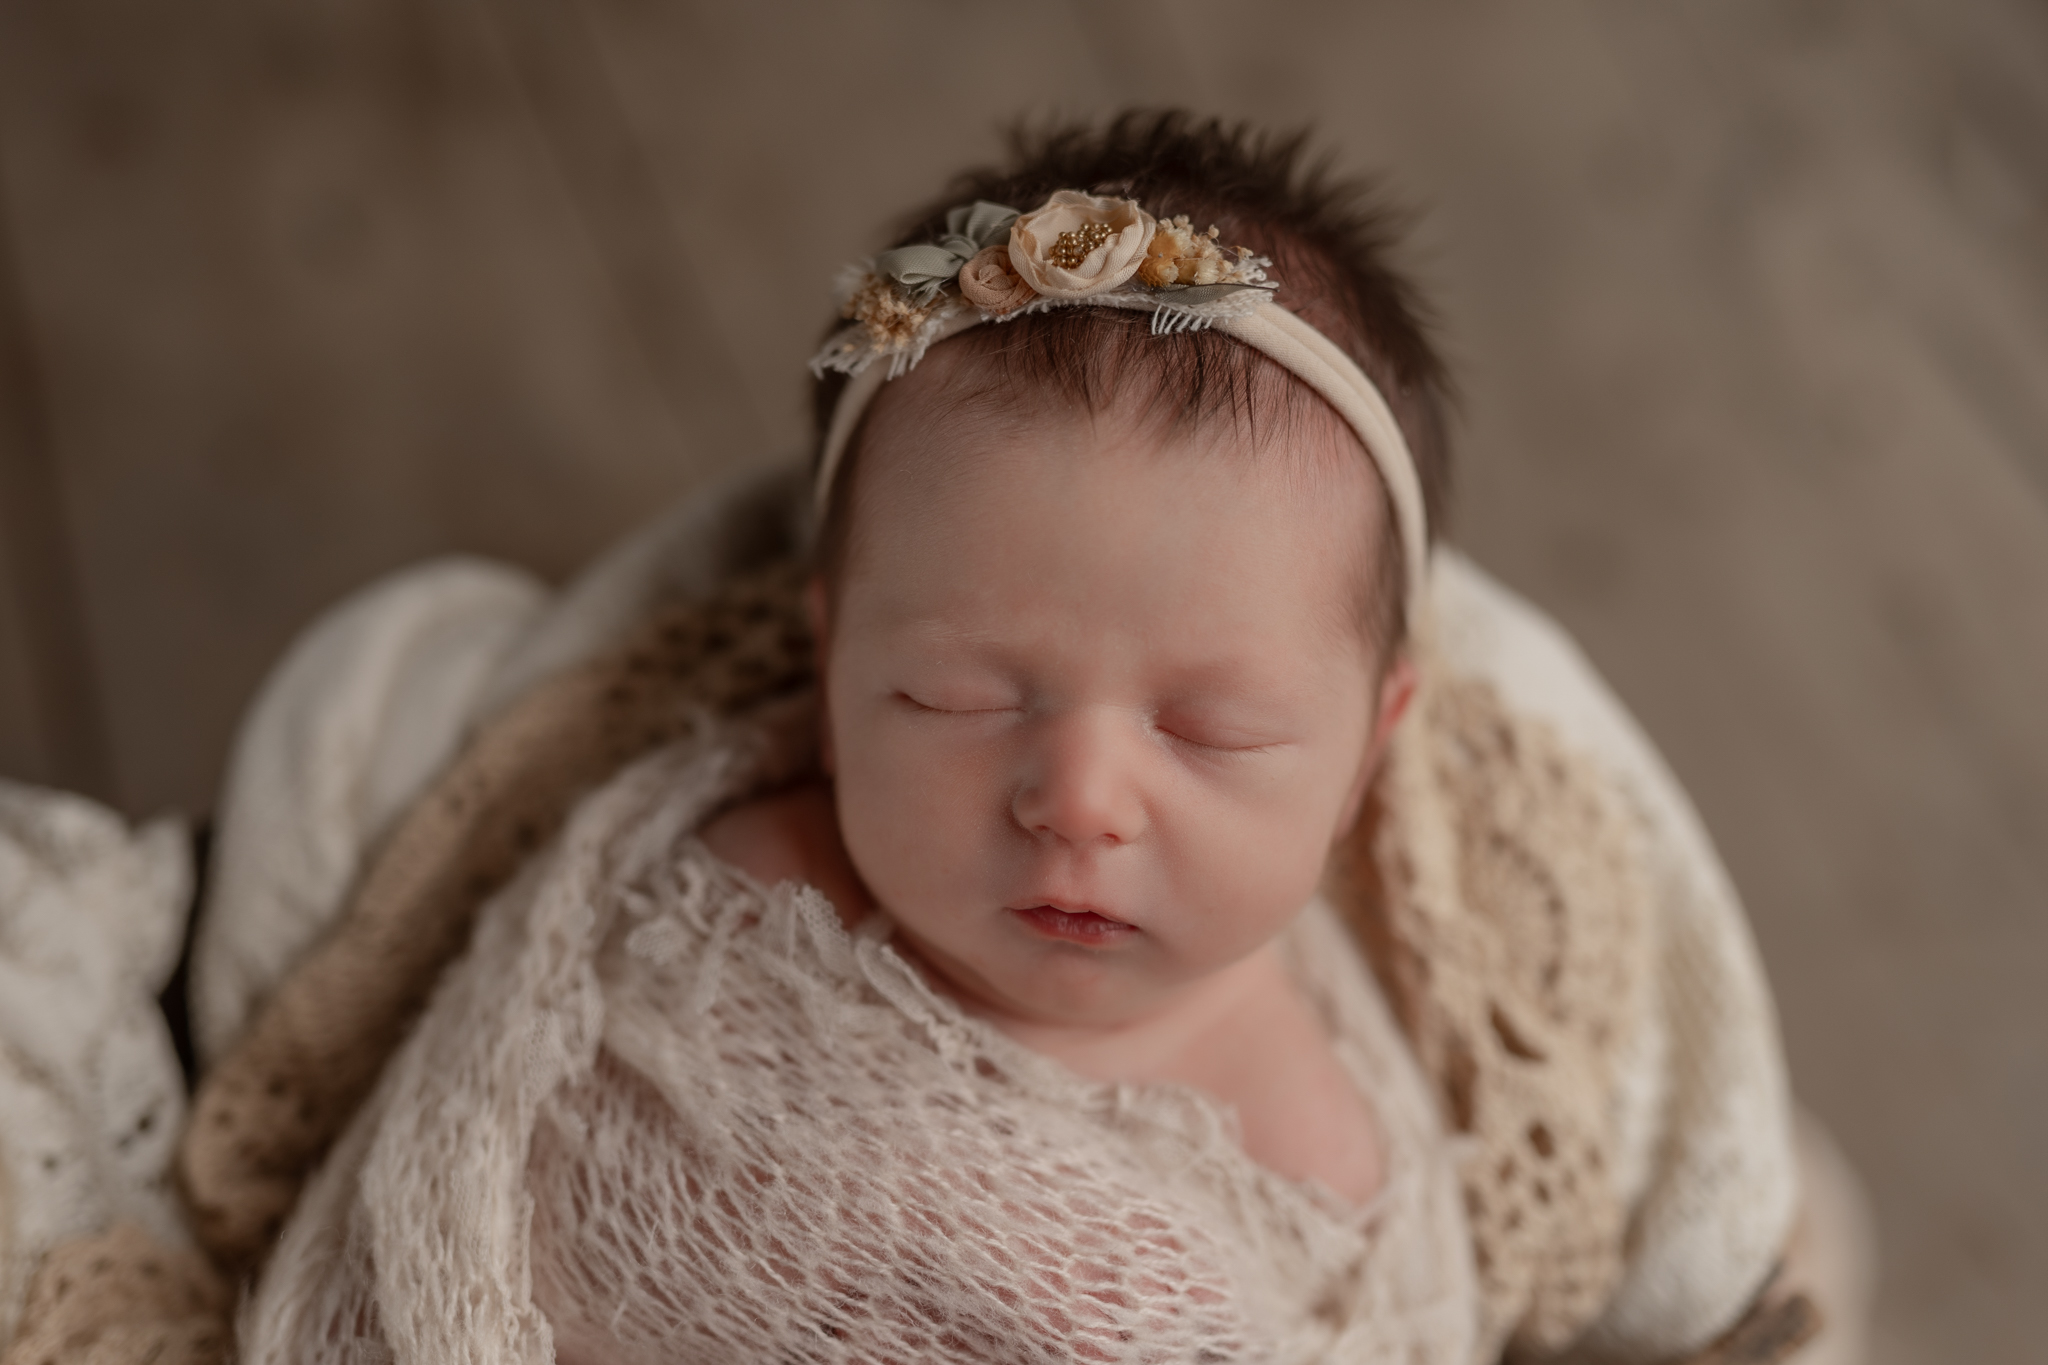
(969,512)
(943,461)
(1200,392)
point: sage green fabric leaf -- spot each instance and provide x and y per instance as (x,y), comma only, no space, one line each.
(924,268)
(981,222)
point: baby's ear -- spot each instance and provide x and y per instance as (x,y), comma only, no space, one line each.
(817,613)
(1396,691)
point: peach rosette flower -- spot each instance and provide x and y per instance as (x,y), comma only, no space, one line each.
(991,284)
(1079,244)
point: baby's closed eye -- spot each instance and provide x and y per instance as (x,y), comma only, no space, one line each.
(1227,730)
(958,702)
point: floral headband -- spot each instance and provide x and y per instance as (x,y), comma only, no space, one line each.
(994,264)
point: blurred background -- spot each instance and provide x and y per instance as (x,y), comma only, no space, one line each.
(1750,302)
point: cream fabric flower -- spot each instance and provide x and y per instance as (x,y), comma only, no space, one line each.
(1046,244)
(989,283)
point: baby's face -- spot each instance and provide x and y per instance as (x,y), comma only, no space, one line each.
(1097,702)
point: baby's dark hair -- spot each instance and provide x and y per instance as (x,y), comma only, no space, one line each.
(1329,239)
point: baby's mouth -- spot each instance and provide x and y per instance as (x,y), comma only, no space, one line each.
(1073,925)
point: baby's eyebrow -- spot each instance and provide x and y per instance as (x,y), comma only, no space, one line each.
(948,633)
(1216,675)
(1231,673)
(1234,688)
(1199,683)
(957,645)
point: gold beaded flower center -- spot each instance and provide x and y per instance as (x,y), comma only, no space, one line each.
(1069,249)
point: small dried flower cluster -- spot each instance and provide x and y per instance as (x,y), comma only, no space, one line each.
(1074,248)
(892,320)
(1180,255)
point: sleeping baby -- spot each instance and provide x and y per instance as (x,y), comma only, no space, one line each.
(1108,653)
(1108,959)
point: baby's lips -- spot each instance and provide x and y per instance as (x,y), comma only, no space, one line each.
(1085,927)
(1069,907)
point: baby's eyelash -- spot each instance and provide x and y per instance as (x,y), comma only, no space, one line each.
(1224,750)
(1215,748)
(915,704)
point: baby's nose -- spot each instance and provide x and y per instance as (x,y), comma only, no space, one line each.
(1081,782)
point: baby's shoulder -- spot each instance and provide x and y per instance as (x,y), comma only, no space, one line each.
(791,835)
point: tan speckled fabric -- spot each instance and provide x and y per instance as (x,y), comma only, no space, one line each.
(123,1298)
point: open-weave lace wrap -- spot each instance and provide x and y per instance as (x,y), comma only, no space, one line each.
(657,1113)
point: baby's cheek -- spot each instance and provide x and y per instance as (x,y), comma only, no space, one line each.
(1238,880)
(915,811)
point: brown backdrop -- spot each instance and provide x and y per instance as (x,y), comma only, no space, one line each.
(1751,302)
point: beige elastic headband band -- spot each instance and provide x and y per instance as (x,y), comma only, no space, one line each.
(1273,332)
